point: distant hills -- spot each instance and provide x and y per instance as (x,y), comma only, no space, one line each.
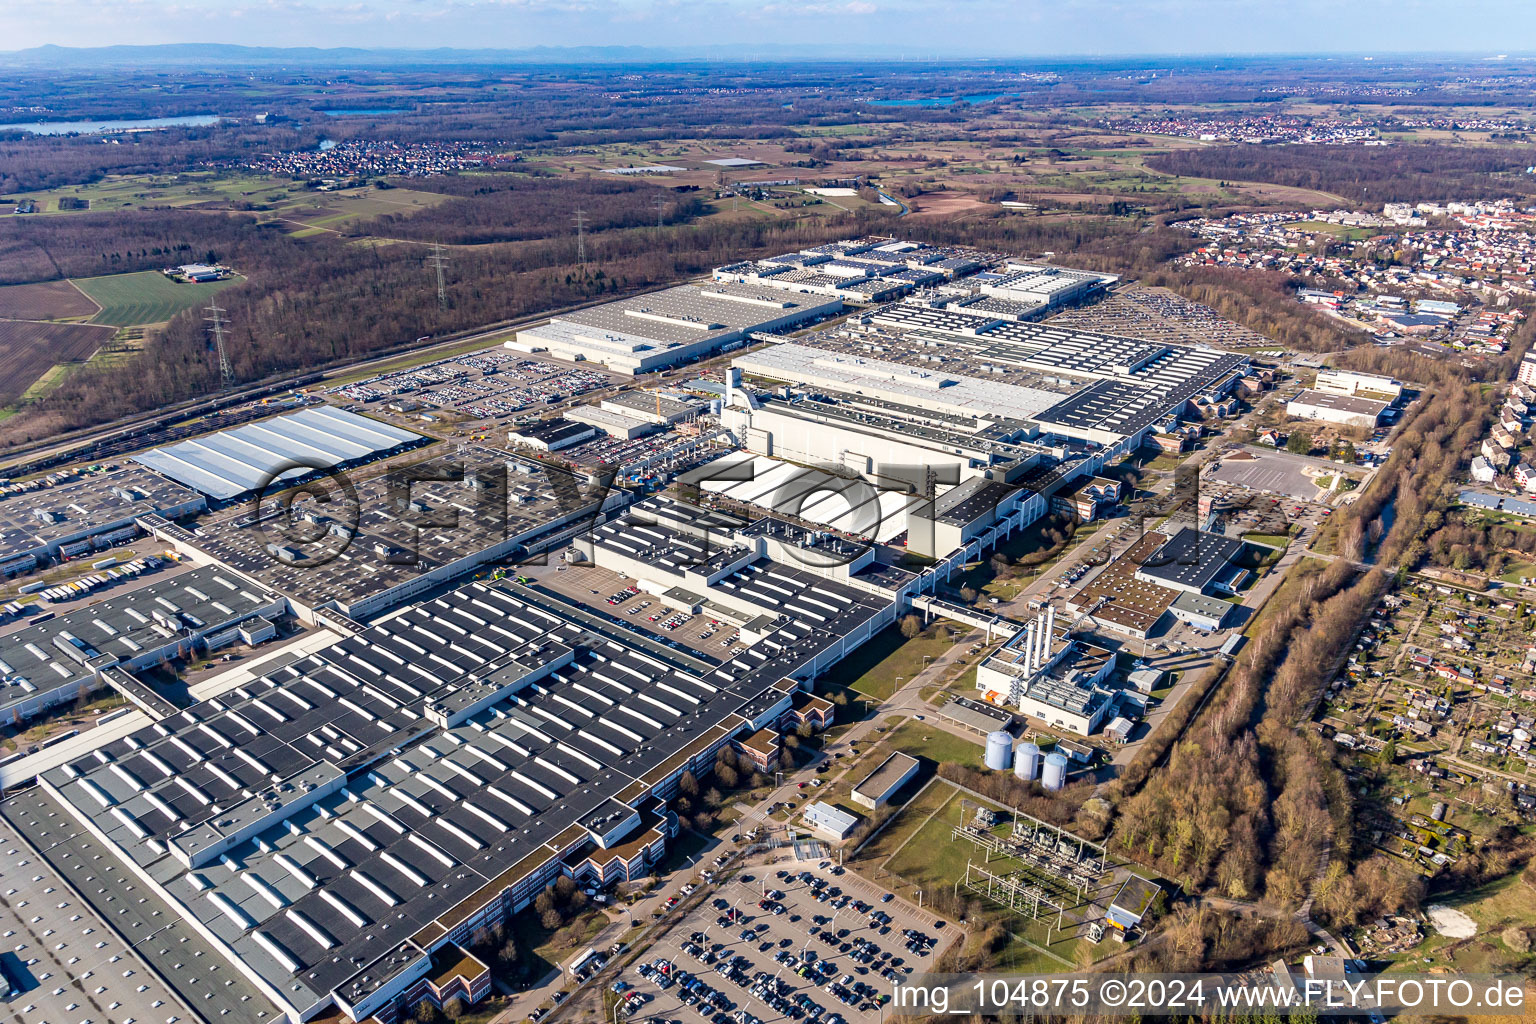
(213,54)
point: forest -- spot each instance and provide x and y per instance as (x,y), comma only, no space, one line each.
(1401,172)
(314,303)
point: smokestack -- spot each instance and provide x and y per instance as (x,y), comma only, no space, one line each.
(1050,628)
(1029,646)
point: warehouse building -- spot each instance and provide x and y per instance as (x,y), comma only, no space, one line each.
(551,435)
(670,327)
(71,655)
(612,423)
(651,406)
(1333,408)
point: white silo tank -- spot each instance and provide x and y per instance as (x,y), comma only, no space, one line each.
(1055,775)
(999,751)
(1026,762)
(715,406)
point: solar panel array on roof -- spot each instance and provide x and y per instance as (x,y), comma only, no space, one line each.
(233,462)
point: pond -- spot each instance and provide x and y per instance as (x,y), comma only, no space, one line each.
(110,127)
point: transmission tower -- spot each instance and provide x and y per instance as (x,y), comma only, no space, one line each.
(660,204)
(581,238)
(217,322)
(437,260)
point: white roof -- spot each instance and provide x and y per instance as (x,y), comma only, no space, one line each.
(231,462)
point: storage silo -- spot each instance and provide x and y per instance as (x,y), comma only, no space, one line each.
(999,751)
(715,406)
(1055,775)
(1026,762)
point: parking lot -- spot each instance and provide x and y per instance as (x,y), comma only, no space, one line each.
(1269,472)
(789,941)
(608,593)
(70,966)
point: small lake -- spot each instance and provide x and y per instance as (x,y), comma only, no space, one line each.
(940,101)
(362,112)
(110,127)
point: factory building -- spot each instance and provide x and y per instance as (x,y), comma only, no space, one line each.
(389,539)
(1333,408)
(232,463)
(670,327)
(73,513)
(960,514)
(74,654)
(1351,383)
(1049,287)
(434,771)
(1196,562)
(1159,575)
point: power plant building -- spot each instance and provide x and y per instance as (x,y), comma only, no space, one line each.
(1050,676)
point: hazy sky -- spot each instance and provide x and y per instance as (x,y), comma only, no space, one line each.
(916,27)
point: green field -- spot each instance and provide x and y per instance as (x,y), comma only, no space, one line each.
(148,297)
(875,668)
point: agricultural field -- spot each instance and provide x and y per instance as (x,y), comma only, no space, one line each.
(313,212)
(142,191)
(31,350)
(147,297)
(50,300)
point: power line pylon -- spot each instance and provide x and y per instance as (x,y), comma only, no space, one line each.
(581,238)
(438,261)
(217,323)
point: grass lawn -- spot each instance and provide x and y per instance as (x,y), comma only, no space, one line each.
(932,858)
(922,739)
(1274,540)
(148,297)
(874,668)
(543,950)
(907,821)
(1519,572)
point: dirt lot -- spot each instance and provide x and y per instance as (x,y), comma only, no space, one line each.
(51,300)
(28,350)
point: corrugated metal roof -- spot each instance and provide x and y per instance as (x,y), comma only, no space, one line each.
(232,462)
